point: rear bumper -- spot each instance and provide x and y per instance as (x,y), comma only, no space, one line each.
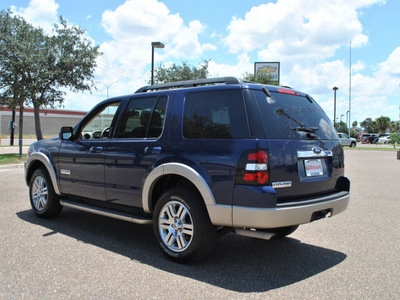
(289,214)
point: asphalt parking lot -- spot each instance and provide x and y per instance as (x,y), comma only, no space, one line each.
(354,255)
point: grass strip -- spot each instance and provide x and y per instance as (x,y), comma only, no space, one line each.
(8,159)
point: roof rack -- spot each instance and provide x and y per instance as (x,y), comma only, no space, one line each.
(189,83)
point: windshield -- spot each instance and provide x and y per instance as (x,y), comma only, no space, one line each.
(288,116)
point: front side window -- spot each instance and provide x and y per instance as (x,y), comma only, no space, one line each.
(144,118)
(99,126)
(215,115)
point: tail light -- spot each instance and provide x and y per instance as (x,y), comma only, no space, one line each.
(253,168)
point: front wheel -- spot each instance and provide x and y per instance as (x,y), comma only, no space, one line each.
(44,201)
(353,144)
(182,227)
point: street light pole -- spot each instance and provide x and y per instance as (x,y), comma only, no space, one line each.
(154,45)
(350,89)
(108,86)
(335,88)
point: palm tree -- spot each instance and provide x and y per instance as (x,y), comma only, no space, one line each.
(382,123)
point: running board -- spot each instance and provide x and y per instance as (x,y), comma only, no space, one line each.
(264,235)
(106,212)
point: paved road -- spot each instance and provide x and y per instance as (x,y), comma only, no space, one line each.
(78,255)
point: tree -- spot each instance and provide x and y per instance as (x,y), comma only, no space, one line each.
(261,78)
(354,124)
(14,35)
(44,64)
(180,73)
(353,134)
(394,138)
(369,125)
(382,123)
(393,126)
(342,127)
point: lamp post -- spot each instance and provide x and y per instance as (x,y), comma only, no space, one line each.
(108,86)
(350,88)
(154,45)
(335,88)
(341,118)
(347,118)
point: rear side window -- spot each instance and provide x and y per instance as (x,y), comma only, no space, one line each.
(144,118)
(215,115)
(284,114)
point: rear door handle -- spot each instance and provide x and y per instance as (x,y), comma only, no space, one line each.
(96,149)
(152,150)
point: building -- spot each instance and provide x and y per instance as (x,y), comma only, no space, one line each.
(51,121)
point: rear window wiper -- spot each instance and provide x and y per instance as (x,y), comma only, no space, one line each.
(310,130)
(306,129)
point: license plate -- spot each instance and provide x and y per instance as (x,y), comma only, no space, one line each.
(313,167)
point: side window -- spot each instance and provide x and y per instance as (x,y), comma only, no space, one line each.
(215,115)
(144,118)
(99,126)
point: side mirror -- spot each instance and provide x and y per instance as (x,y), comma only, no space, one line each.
(65,133)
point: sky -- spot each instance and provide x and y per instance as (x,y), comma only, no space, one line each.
(314,41)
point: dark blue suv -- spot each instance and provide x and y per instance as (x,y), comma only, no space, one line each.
(196,159)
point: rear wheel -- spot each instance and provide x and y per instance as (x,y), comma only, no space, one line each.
(182,227)
(44,201)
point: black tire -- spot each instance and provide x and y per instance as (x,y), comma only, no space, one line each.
(182,227)
(44,201)
(353,144)
(283,231)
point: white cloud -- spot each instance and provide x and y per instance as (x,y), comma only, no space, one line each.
(293,29)
(209,47)
(242,66)
(135,24)
(391,67)
(371,96)
(42,13)
(127,55)
(303,35)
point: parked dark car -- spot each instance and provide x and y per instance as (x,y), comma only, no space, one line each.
(369,138)
(196,159)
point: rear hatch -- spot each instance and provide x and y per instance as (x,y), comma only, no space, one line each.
(305,156)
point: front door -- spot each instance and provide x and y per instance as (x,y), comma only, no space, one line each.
(81,160)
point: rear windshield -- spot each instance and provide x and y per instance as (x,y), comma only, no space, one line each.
(286,116)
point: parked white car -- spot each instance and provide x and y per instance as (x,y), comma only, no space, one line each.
(384,139)
(345,140)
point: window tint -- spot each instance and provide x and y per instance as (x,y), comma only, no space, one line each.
(283,113)
(99,126)
(215,115)
(144,118)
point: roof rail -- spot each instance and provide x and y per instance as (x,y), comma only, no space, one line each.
(189,83)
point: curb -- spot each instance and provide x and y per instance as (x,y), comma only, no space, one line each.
(11,166)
